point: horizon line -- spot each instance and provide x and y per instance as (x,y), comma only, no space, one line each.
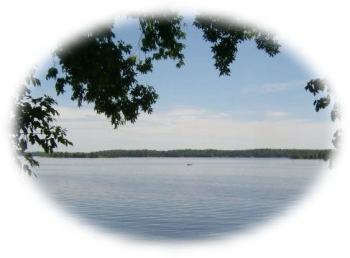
(189,149)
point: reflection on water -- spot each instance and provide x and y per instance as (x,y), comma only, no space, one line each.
(164,198)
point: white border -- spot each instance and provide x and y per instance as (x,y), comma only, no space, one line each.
(31,227)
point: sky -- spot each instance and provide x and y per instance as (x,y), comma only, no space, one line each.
(262,104)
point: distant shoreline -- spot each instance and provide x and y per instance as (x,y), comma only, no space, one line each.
(195,153)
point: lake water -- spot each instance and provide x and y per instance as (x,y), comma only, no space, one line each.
(165,199)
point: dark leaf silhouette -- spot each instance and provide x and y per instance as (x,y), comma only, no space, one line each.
(320,86)
(225,38)
(102,71)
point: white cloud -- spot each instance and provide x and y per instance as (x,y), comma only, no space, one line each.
(191,127)
(277,114)
(78,114)
(283,86)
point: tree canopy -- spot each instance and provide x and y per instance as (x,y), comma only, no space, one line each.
(226,37)
(35,124)
(100,69)
(321,87)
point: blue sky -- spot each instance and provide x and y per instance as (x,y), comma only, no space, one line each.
(262,104)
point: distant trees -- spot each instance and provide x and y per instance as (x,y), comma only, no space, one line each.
(256,153)
(101,69)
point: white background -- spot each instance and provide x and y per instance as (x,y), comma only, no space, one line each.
(30,226)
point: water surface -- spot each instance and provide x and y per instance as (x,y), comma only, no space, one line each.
(164,198)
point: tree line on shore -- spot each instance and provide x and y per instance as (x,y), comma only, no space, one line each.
(251,153)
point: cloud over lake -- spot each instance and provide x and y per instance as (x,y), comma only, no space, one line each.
(193,127)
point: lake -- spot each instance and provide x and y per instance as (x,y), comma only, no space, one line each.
(169,199)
